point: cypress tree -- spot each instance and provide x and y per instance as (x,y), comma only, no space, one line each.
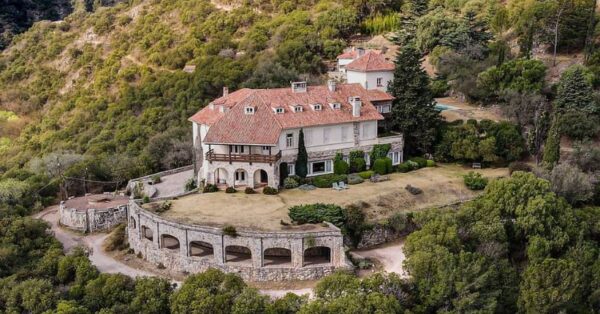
(413,109)
(552,146)
(574,92)
(301,166)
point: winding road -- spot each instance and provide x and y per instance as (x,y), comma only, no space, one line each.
(390,255)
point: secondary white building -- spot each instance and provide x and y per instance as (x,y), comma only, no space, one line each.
(372,70)
(244,138)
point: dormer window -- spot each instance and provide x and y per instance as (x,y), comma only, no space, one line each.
(335,105)
(249,110)
(317,107)
(297,108)
(279,110)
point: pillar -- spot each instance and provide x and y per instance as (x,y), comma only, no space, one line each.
(297,253)
(257,254)
(184,245)
(219,251)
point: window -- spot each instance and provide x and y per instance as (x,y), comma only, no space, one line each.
(291,169)
(326,135)
(380,82)
(249,110)
(279,110)
(289,140)
(335,105)
(383,108)
(395,157)
(320,167)
(240,175)
(297,108)
(346,158)
(368,130)
(238,149)
(345,133)
(317,107)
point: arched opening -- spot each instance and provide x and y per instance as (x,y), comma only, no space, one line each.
(238,254)
(240,177)
(201,249)
(147,233)
(221,176)
(169,242)
(261,178)
(318,255)
(279,257)
(132,223)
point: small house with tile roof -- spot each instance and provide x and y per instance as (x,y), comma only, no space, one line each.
(371,70)
(249,138)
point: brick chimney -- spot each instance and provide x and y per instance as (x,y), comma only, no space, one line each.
(225,90)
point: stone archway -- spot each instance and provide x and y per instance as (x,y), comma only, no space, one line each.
(147,233)
(221,176)
(169,242)
(277,257)
(317,255)
(238,254)
(201,249)
(261,178)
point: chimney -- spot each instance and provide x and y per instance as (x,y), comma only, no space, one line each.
(225,90)
(361,51)
(331,85)
(299,87)
(356,105)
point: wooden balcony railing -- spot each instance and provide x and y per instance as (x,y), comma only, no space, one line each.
(212,156)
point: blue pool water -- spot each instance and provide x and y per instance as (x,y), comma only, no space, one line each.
(442,107)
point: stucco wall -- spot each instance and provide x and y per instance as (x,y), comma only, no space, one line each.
(257,242)
(369,79)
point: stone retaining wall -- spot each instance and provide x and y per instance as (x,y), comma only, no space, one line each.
(92,220)
(149,233)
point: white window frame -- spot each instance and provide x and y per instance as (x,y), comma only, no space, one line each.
(240,175)
(238,149)
(317,107)
(380,82)
(279,110)
(328,167)
(249,110)
(291,168)
(289,140)
(335,105)
(297,108)
(395,157)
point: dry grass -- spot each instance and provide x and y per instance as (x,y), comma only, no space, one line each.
(441,186)
(467,111)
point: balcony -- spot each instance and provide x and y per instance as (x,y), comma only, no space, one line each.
(212,156)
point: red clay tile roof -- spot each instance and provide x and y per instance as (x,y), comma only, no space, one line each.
(264,126)
(353,53)
(371,61)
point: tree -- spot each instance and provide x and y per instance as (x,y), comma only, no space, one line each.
(552,147)
(571,183)
(575,92)
(301,165)
(519,75)
(151,295)
(250,301)
(413,109)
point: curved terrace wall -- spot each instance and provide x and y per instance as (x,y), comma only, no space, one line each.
(176,246)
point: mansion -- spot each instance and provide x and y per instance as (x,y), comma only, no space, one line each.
(244,138)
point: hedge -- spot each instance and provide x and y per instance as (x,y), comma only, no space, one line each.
(419,160)
(383,166)
(316,213)
(366,174)
(326,181)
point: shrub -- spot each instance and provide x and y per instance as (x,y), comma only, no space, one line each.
(290,183)
(413,189)
(357,161)
(355,179)
(146,199)
(422,162)
(398,222)
(404,167)
(389,167)
(190,184)
(380,151)
(156,179)
(210,188)
(475,181)
(366,174)
(325,181)
(230,189)
(117,239)
(229,231)
(267,190)
(382,166)
(163,207)
(316,213)
(249,190)
(430,163)
(519,166)
(340,167)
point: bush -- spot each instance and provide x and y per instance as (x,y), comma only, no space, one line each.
(355,179)
(380,151)
(366,174)
(357,161)
(340,167)
(382,166)
(404,167)
(579,125)
(325,181)
(267,190)
(475,181)
(413,189)
(230,189)
(422,162)
(249,190)
(146,199)
(117,239)
(290,183)
(398,222)
(229,231)
(518,166)
(163,207)
(210,188)
(317,213)
(190,184)
(430,163)
(156,179)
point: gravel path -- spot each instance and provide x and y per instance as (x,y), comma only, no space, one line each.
(390,255)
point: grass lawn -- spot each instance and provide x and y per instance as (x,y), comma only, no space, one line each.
(441,186)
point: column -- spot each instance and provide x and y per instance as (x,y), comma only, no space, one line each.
(257,254)
(219,251)
(297,253)
(184,245)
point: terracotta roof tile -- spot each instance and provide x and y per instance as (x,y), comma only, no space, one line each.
(264,126)
(371,61)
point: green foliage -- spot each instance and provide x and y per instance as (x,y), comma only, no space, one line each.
(355,179)
(413,109)
(519,75)
(316,213)
(210,188)
(381,24)
(117,239)
(579,125)
(229,231)
(267,190)
(290,183)
(518,166)
(574,92)
(398,222)
(190,184)
(430,163)
(249,190)
(552,146)
(366,174)
(475,181)
(340,166)
(422,162)
(380,151)
(230,190)
(326,180)
(301,165)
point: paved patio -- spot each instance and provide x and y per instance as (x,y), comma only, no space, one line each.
(172,184)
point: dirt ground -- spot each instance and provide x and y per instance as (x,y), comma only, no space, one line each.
(465,111)
(442,185)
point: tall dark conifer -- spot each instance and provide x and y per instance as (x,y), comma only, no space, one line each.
(301,166)
(413,111)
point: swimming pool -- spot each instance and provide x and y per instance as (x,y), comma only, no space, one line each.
(442,107)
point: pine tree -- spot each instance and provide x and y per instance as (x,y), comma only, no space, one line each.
(574,92)
(301,166)
(413,109)
(552,146)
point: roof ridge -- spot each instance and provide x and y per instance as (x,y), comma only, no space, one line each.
(271,111)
